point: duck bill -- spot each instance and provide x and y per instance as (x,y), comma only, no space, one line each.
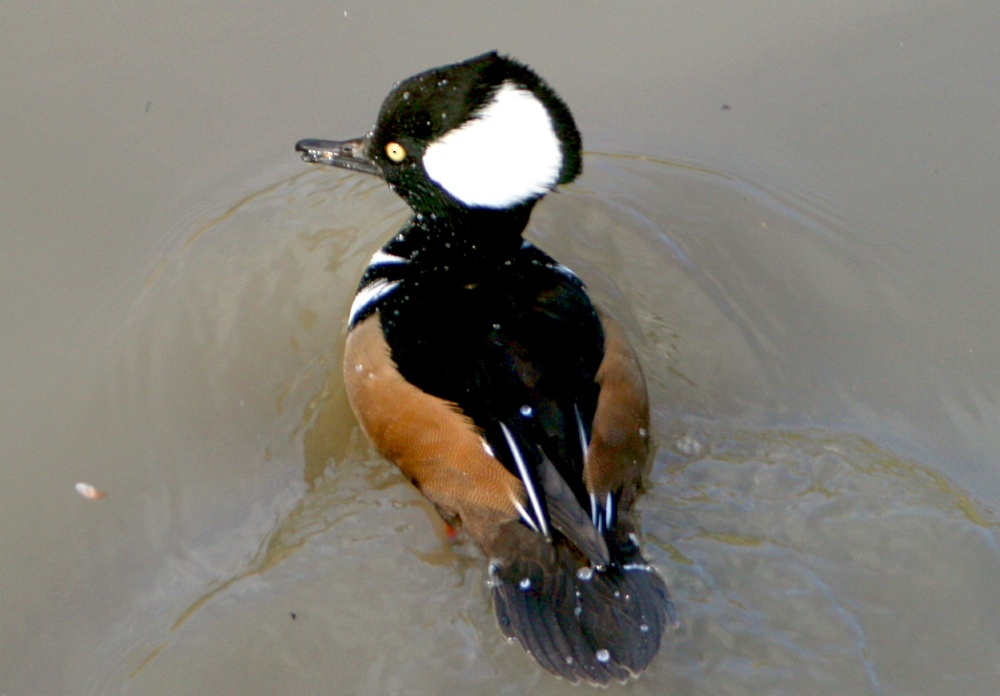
(348,154)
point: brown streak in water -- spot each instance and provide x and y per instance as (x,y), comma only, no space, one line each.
(220,219)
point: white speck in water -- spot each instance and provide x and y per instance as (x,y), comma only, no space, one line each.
(617,594)
(569,659)
(578,611)
(525,583)
(585,573)
(496,327)
(602,655)
(526,411)
(643,432)
(406,96)
(689,445)
(89,492)
(345,13)
(359,367)
(644,628)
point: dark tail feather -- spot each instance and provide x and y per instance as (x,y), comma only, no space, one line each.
(580,623)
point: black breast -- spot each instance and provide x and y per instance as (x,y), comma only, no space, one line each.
(519,343)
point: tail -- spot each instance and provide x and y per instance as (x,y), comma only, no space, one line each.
(579,622)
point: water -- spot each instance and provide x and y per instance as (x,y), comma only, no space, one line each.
(798,550)
(793,210)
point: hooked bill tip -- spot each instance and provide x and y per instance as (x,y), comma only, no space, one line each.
(312,151)
(346,154)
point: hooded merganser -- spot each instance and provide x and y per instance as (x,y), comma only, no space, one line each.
(479,366)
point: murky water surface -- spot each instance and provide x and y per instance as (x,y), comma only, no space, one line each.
(808,274)
(798,554)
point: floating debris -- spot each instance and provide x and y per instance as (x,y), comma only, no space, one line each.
(90,492)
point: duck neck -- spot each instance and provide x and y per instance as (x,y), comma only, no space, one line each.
(470,239)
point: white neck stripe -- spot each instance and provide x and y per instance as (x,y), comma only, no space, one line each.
(381,257)
(369,294)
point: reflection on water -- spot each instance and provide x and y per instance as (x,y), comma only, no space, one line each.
(803,556)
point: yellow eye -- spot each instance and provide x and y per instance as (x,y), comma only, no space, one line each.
(395,152)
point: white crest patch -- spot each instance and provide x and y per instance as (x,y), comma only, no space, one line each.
(506,154)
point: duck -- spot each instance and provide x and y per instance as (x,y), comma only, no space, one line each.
(481,368)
